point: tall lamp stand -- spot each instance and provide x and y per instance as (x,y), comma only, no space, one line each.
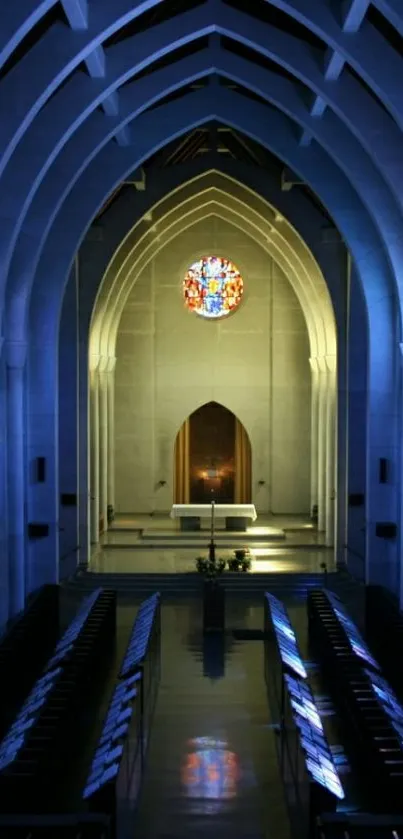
(212,543)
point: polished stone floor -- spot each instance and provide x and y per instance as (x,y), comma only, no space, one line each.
(212,765)
(123,550)
(176,560)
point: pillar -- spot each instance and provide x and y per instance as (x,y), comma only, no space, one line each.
(330,450)
(43,493)
(342,400)
(16,498)
(4,569)
(356,433)
(314,431)
(400,530)
(103,440)
(68,432)
(111,431)
(383,441)
(322,401)
(84,448)
(94,448)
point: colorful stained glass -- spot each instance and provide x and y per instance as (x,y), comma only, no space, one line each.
(213,287)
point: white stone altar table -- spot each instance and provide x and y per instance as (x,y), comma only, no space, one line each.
(237,516)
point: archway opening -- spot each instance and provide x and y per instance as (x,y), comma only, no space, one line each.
(212,459)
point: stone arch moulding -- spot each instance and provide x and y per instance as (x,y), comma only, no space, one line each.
(315,167)
(228,214)
(299,266)
(52,219)
(188,219)
(200,404)
(304,215)
(242,453)
(232,24)
(274,233)
(20,270)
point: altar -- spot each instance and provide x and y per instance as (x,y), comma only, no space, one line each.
(236,516)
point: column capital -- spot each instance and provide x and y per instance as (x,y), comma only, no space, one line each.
(15,354)
(313,362)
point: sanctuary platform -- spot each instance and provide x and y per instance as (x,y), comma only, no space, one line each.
(159,532)
(222,537)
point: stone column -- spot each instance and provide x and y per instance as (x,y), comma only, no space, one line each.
(16,353)
(94,448)
(314,430)
(111,431)
(322,400)
(383,441)
(330,450)
(84,449)
(68,430)
(4,571)
(42,442)
(103,439)
(400,477)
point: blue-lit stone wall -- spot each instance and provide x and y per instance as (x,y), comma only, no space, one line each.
(70,133)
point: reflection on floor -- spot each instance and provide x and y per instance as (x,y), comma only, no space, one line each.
(300,552)
(212,765)
(175,561)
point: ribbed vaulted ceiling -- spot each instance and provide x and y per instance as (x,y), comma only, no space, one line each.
(92,91)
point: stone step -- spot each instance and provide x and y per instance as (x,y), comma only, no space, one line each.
(176,584)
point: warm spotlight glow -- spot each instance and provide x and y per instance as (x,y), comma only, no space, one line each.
(260,552)
(259,531)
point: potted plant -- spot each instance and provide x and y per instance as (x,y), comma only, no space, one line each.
(211,569)
(241,560)
(213,593)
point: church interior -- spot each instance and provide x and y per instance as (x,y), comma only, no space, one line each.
(201,588)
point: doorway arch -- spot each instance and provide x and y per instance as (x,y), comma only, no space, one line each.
(212,458)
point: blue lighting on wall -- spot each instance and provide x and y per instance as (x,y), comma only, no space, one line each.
(106,762)
(140,635)
(318,757)
(285,635)
(357,643)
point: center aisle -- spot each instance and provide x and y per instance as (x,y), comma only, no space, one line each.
(212,765)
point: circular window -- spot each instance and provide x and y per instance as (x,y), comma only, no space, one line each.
(213,287)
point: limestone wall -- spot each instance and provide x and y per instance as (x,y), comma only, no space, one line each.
(255,362)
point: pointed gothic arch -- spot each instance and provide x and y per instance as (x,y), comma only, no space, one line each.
(212,457)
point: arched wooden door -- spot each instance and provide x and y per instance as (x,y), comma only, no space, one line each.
(212,458)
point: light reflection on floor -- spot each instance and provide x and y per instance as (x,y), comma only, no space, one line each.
(212,765)
(174,561)
(210,769)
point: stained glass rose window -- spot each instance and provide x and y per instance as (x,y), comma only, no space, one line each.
(213,287)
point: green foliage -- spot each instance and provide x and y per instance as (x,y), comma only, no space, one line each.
(210,569)
(241,560)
